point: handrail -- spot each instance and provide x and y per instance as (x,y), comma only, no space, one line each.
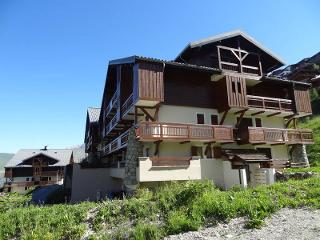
(116,144)
(201,132)
(112,102)
(270,103)
(279,135)
(127,104)
(270,98)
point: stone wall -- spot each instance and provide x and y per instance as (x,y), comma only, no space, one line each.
(134,151)
(299,154)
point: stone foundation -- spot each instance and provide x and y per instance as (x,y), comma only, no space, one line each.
(134,150)
(299,155)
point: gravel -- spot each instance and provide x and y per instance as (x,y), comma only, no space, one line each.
(286,224)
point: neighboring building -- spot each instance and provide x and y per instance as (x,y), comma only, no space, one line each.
(92,138)
(34,167)
(212,113)
(307,70)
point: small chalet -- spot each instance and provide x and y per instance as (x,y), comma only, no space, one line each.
(36,167)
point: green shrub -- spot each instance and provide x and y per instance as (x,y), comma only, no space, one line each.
(178,222)
(143,231)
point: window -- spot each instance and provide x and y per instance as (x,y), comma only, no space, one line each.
(25,188)
(214,120)
(27,179)
(200,118)
(49,179)
(258,122)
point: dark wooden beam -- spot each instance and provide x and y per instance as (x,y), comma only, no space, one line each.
(132,114)
(156,152)
(239,119)
(273,114)
(148,115)
(156,113)
(257,113)
(136,115)
(223,117)
(241,111)
(288,122)
(274,144)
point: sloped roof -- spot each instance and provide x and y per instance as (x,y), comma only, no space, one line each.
(94,114)
(63,156)
(227,35)
(79,155)
(134,58)
(246,155)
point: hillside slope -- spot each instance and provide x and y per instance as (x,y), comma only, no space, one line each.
(4,158)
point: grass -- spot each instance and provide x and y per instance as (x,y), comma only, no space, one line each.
(313,150)
(172,209)
(310,169)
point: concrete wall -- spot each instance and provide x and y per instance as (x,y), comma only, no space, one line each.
(216,170)
(147,173)
(90,183)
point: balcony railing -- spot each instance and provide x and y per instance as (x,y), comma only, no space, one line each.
(114,101)
(127,105)
(258,135)
(112,123)
(148,131)
(116,144)
(268,103)
(234,67)
(29,183)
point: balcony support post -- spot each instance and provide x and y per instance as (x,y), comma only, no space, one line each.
(223,117)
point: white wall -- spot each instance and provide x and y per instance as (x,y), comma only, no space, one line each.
(148,173)
(180,114)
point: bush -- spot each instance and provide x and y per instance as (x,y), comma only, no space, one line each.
(144,231)
(178,222)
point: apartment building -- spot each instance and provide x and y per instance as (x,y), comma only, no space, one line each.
(211,113)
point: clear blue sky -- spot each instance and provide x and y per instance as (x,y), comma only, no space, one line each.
(54,53)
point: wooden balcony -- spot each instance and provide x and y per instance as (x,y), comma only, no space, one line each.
(117,144)
(151,131)
(260,135)
(267,103)
(236,63)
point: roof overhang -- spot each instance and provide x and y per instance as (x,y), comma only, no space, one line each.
(227,35)
(135,59)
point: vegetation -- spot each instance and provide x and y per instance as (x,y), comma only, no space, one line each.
(173,208)
(313,150)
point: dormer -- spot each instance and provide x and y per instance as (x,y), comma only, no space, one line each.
(234,52)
